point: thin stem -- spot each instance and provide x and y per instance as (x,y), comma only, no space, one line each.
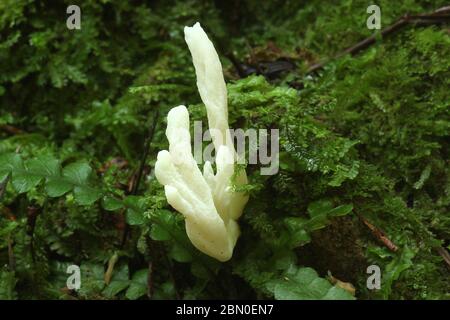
(135,187)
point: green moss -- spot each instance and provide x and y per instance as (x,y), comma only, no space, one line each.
(365,136)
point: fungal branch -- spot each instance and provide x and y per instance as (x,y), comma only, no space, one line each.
(207,201)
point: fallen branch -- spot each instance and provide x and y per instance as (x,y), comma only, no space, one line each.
(444,254)
(440,15)
(11,129)
(379,234)
(347,286)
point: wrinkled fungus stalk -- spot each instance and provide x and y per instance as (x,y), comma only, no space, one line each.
(207,201)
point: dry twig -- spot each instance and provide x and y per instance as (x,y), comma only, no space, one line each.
(440,15)
(444,254)
(379,234)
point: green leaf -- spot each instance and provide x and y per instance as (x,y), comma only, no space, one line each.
(112,204)
(7,163)
(119,282)
(45,166)
(337,293)
(135,211)
(297,232)
(10,161)
(23,181)
(305,284)
(341,210)
(138,285)
(180,254)
(320,207)
(75,175)
(317,222)
(159,233)
(78,172)
(92,279)
(57,186)
(85,195)
(134,218)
